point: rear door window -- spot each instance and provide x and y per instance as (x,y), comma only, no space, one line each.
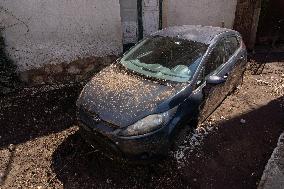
(232,45)
(217,58)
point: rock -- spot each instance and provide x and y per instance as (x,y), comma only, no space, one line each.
(24,76)
(57,68)
(5,90)
(38,79)
(11,147)
(73,70)
(89,68)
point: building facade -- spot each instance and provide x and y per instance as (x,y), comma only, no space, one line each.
(52,37)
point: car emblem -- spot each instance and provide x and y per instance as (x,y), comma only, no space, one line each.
(96,118)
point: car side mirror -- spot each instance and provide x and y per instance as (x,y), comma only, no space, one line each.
(215,80)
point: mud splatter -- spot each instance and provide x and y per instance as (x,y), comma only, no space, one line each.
(118,96)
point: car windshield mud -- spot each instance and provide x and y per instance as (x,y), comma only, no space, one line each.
(165,58)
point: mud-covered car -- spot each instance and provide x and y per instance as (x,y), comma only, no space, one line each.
(135,107)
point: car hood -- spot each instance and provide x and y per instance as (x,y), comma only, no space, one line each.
(122,98)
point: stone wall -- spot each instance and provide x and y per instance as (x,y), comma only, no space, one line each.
(79,70)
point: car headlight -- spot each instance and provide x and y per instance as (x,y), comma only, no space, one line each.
(149,123)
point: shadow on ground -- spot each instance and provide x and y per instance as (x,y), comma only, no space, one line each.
(37,112)
(268,57)
(232,157)
(235,155)
(79,166)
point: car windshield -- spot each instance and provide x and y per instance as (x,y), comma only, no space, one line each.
(165,58)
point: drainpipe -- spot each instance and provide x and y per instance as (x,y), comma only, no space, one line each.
(140,19)
(160,14)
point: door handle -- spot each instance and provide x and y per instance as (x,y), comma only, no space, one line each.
(226,76)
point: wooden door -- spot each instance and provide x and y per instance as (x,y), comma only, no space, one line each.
(129,19)
(150,16)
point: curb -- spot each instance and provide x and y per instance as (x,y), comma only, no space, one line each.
(273,175)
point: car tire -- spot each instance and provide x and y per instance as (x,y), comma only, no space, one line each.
(239,82)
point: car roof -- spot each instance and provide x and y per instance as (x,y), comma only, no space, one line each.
(202,34)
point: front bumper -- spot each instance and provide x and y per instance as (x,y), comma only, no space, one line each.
(140,147)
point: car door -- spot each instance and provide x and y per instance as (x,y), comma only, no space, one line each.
(213,95)
(236,63)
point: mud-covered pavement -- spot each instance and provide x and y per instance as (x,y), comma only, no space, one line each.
(40,146)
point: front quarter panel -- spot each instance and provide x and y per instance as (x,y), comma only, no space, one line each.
(188,110)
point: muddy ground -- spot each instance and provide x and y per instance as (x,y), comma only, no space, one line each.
(40,146)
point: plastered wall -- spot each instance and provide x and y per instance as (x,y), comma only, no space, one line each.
(200,12)
(40,32)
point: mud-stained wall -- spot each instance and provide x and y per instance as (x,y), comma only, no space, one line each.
(42,32)
(201,12)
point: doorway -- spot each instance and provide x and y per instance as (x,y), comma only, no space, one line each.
(246,20)
(139,19)
(261,22)
(271,23)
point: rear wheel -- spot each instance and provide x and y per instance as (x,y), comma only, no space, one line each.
(239,81)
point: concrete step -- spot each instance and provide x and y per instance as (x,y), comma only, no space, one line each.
(273,175)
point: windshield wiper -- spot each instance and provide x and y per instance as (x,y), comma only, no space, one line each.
(144,68)
(173,75)
(156,71)
(161,81)
(149,70)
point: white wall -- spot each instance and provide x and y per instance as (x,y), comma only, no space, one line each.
(201,12)
(39,32)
